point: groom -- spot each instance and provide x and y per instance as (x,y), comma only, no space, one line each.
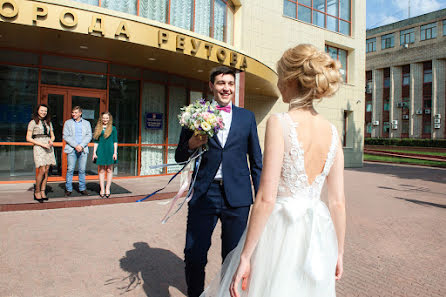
(223,186)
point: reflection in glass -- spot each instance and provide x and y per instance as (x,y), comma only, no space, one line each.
(305,2)
(18,97)
(17,161)
(154,9)
(304,14)
(124,107)
(55,108)
(127,161)
(230,27)
(171,159)
(319,5)
(152,155)
(318,19)
(344,28)
(177,99)
(345,9)
(332,23)
(153,101)
(289,9)
(91,2)
(332,7)
(70,79)
(90,108)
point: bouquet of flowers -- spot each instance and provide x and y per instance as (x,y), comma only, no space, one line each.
(202,117)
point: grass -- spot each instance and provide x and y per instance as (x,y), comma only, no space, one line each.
(368,157)
(415,152)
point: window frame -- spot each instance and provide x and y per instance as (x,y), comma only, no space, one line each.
(387,41)
(370,42)
(346,60)
(410,33)
(324,11)
(428,28)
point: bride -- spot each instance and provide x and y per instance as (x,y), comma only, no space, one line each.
(294,245)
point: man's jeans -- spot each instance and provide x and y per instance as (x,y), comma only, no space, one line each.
(72,158)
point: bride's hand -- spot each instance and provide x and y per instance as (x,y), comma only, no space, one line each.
(339,268)
(242,274)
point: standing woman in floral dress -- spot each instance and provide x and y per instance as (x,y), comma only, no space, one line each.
(105,151)
(40,133)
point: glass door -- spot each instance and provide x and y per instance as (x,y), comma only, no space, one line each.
(60,101)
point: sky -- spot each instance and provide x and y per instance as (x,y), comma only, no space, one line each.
(383,12)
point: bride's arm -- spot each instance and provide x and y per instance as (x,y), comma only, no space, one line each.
(266,196)
(336,203)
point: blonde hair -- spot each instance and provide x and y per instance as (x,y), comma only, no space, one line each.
(316,73)
(99,126)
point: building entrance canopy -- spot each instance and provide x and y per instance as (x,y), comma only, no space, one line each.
(75,29)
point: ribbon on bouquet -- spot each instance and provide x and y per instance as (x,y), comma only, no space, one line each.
(184,184)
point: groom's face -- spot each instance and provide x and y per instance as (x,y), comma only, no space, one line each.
(223,88)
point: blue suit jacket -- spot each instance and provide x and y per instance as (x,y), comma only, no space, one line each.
(242,141)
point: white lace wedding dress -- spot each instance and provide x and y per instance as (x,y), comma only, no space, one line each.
(296,254)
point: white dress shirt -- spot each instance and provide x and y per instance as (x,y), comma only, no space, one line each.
(223,136)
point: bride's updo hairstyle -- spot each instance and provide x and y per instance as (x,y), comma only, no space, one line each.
(316,73)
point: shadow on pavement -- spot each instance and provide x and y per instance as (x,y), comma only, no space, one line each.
(156,269)
(409,172)
(424,203)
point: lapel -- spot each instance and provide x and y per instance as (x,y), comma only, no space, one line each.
(215,139)
(234,124)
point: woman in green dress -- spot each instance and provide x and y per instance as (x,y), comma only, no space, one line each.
(105,151)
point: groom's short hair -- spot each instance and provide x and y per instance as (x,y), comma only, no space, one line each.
(220,70)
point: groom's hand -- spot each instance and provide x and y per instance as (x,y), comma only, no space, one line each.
(197,140)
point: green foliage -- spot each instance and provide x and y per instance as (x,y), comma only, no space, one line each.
(406,142)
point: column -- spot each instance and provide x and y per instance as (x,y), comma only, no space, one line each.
(239,99)
(395,97)
(416,100)
(377,101)
(438,97)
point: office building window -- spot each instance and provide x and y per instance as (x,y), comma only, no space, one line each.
(406,79)
(341,56)
(405,126)
(368,107)
(428,31)
(334,15)
(371,45)
(407,36)
(387,41)
(427,76)
(369,128)
(444,28)
(386,127)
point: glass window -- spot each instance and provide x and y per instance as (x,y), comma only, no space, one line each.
(127,6)
(427,76)
(91,2)
(332,7)
(153,102)
(341,56)
(18,99)
(386,127)
(124,107)
(368,107)
(386,105)
(428,31)
(304,14)
(405,126)
(17,57)
(386,83)
(427,102)
(387,41)
(219,20)
(72,79)
(289,9)
(333,15)
(427,126)
(444,28)
(74,64)
(181,13)
(17,162)
(345,10)
(230,26)
(154,9)
(407,36)
(369,86)
(369,128)
(177,99)
(202,17)
(406,79)
(128,161)
(371,45)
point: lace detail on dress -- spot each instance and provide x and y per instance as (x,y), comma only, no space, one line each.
(294,180)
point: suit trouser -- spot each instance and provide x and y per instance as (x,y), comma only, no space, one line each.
(202,218)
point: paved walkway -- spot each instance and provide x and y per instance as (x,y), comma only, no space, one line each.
(396,243)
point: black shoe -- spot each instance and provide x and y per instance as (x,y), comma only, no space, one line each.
(44,198)
(84,193)
(107,195)
(67,193)
(37,199)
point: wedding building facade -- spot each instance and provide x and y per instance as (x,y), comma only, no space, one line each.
(405,78)
(144,59)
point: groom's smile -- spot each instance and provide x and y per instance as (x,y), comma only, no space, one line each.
(223,88)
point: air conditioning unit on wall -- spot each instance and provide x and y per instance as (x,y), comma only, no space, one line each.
(437,116)
(399,104)
(419,111)
(394,122)
(427,111)
(437,121)
(437,126)
(375,123)
(405,116)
